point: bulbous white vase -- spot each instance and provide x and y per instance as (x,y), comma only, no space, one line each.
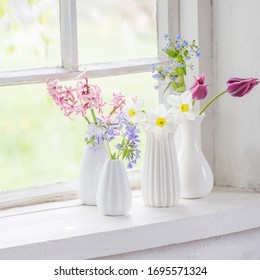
(114,196)
(91,168)
(161,178)
(195,172)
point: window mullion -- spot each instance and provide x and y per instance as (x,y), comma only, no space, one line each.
(168,22)
(68,33)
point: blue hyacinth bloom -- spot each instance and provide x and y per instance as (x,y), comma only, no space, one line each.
(198,53)
(178,45)
(185,43)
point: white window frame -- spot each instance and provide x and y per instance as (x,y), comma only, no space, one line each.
(168,21)
(167,9)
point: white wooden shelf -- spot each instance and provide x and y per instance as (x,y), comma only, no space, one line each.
(69,230)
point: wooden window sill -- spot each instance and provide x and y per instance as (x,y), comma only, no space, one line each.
(70,230)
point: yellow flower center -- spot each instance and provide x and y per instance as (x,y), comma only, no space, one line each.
(161,122)
(184,107)
(131,112)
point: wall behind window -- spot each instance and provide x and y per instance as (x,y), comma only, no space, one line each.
(237,121)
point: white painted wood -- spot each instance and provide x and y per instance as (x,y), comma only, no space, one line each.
(94,71)
(53,192)
(243,245)
(189,29)
(41,194)
(68,34)
(168,22)
(205,35)
(81,232)
(196,23)
(237,122)
(120,67)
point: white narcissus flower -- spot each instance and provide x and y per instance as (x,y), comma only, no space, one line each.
(181,107)
(160,122)
(133,110)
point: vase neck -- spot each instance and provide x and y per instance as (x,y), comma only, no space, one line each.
(190,128)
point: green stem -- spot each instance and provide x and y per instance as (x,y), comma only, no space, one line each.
(87,120)
(113,111)
(118,155)
(109,151)
(211,101)
(182,81)
(93,116)
(193,102)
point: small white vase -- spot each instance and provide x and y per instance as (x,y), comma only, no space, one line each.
(114,196)
(195,172)
(91,167)
(161,178)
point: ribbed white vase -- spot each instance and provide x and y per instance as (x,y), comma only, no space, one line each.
(195,172)
(161,178)
(114,196)
(91,167)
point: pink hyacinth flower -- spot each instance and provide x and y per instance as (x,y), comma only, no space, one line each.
(199,90)
(239,87)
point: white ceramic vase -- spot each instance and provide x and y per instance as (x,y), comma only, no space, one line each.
(114,196)
(195,172)
(161,178)
(91,167)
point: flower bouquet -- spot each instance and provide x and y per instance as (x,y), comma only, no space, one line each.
(111,136)
(195,173)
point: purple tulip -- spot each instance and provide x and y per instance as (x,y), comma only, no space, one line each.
(239,87)
(199,90)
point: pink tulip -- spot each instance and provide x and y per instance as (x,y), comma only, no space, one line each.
(239,87)
(199,90)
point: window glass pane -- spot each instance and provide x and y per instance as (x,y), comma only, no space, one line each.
(38,144)
(29,34)
(110,30)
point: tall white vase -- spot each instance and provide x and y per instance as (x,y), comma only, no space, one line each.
(161,178)
(114,196)
(195,172)
(91,167)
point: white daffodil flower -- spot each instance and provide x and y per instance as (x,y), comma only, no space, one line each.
(181,107)
(133,110)
(160,122)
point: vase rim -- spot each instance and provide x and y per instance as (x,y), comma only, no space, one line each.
(113,160)
(198,117)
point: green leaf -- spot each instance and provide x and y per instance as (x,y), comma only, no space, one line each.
(176,86)
(186,53)
(124,154)
(113,156)
(182,71)
(171,53)
(180,59)
(181,89)
(177,71)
